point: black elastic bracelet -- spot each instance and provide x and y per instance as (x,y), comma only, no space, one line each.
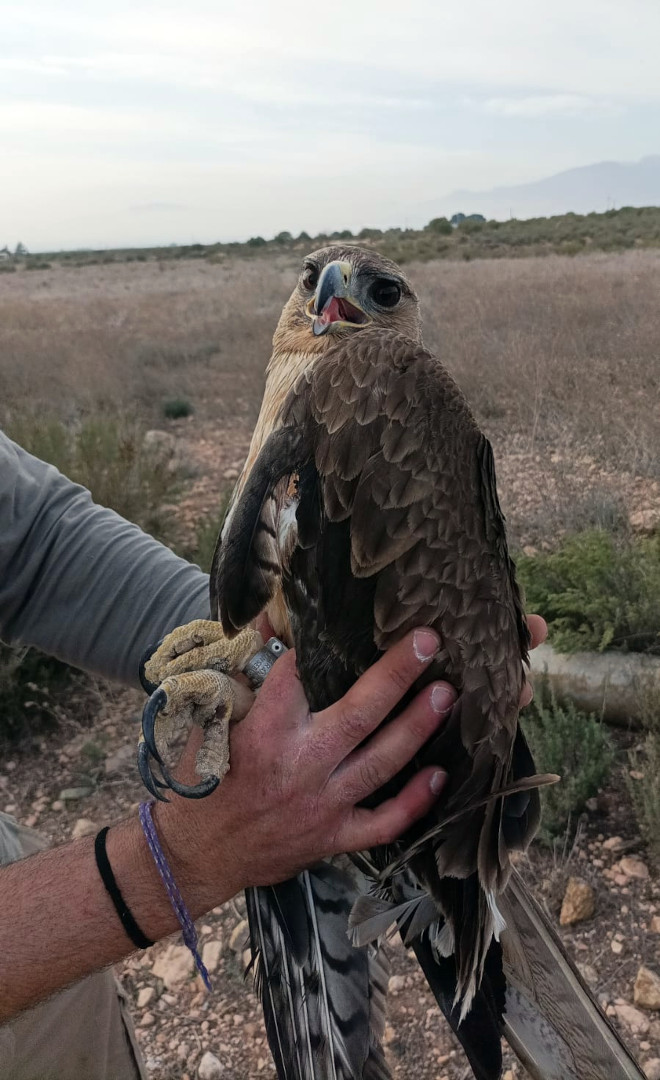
(108,878)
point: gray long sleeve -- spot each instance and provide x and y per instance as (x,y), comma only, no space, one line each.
(78,581)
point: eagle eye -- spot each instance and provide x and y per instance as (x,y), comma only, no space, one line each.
(310,277)
(385,293)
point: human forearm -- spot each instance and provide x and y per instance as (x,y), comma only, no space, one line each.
(58,923)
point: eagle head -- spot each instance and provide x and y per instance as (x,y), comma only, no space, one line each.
(340,290)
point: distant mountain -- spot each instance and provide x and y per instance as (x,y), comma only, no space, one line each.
(606,185)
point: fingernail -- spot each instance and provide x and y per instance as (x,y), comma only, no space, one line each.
(425,644)
(442,699)
(437,781)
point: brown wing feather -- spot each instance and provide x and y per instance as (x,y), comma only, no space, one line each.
(400,454)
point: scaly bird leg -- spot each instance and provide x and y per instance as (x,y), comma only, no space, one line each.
(188,677)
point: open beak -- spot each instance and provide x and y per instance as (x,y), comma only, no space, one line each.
(334,305)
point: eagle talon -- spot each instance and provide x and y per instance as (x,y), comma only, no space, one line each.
(190,791)
(151,782)
(154,706)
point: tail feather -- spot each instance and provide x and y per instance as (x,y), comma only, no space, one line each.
(324,1001)
(552,1020)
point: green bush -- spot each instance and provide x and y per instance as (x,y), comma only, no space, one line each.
(574,745)
(644,786)
(440,225)
(177,408)
(597,591)
(31,686)
(109,456)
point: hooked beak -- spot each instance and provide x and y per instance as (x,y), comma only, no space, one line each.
(334,305)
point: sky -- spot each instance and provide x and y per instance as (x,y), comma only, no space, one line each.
(153,123)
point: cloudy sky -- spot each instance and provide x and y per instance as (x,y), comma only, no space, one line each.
(140,123)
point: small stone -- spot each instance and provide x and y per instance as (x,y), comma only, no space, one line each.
(389,1035)
(616,947)
(211,954)
(614,843)
(652,1069)
(592,805)
(579,902)
(31,821)
(589,974)
(72,794)
(145,996)
(83,827)
(57,805)
(633,1019)
(647,989)
(147,1020)
(210,1067)
(654,925)
(161,443)
(396,984)
(174,966)
(633,868)
(238,936)
(121,760)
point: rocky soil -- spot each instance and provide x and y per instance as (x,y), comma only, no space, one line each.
(82,777)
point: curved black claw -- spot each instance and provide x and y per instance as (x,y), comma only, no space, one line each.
(148,749)
(190,791)
(147,685)
(156,702)
(148,779)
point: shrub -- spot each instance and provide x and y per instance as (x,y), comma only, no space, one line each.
(177,408)
(440,225)
(31,686)
(108,455)
(597,591)
(574,745)
(643,782)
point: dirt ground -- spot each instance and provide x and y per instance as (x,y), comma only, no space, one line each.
(178,1022)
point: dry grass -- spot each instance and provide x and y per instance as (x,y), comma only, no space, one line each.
(139,334)
(562,352)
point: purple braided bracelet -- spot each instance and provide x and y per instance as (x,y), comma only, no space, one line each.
(189,934)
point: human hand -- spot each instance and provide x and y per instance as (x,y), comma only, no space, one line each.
(297,778)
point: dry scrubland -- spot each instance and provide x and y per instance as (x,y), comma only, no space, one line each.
(560,358)
(561,351)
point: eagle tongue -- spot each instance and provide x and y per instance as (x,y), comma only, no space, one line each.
(332,312)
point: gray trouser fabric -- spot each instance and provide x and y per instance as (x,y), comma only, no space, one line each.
(83,1033)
